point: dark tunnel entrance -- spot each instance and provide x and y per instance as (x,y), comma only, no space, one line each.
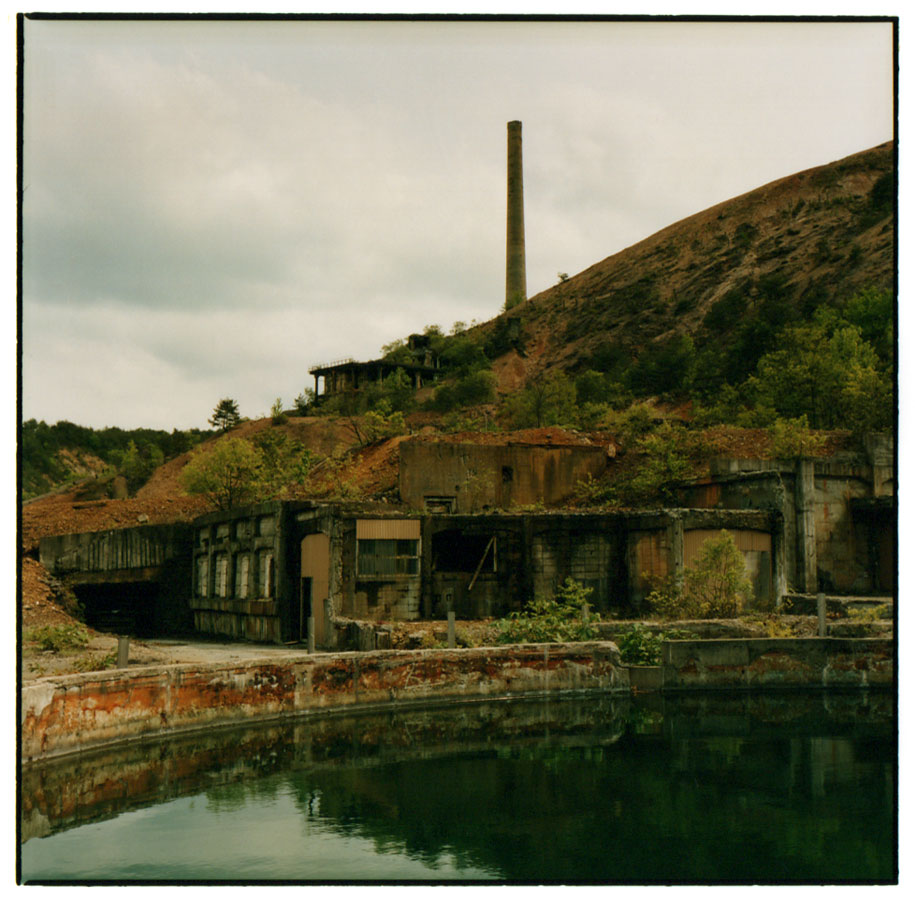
(128,608)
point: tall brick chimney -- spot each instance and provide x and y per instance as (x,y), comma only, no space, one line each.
(515,277)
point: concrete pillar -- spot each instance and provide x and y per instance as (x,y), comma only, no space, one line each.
(806,527)
(779,563)
(515,274)
(675,562)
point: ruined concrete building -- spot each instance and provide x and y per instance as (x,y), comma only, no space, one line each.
(480,531)
(260,572)
(348,375)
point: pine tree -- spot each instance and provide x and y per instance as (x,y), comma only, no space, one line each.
(225,416)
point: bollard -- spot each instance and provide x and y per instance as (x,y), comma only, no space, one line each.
(821,615)
(451,630)
(311,634)
(123,651)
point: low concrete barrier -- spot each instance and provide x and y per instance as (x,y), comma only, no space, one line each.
(71,713)
(777,662)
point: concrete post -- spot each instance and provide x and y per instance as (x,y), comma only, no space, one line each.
(451,629)
(123,651)
(311,634)
(805,526)
(675,545)
(515,272)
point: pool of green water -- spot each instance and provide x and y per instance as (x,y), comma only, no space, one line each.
(771,789)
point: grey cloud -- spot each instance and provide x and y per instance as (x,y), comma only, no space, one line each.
(306,191)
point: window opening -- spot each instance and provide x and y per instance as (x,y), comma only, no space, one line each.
(265,574)
(385,556)
(453,551)
(221,575)
(242,566)
(202,576)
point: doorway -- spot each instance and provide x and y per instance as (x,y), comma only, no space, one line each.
(314,585)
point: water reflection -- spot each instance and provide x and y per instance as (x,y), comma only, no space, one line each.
(796,788)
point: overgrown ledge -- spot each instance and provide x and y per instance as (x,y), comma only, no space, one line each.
(77,712)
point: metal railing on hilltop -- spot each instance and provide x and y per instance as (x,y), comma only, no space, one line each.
(331,365)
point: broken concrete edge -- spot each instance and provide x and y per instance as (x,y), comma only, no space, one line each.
(72,714)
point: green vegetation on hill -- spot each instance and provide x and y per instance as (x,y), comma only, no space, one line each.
(51,453)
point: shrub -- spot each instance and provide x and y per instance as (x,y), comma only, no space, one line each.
(640,647)
(277,416)
(59,637)
(870,614)
(95,662)
(381,423)
(305,401)
(560,618)
(715,587)
(791,438)
(633,423)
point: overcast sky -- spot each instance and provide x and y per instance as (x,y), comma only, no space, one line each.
(212,207)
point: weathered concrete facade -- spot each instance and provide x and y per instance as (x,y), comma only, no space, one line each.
(241,577)
(839,514)
(262,572)
(438,476)
(130,579)
(777,662)
(62,715)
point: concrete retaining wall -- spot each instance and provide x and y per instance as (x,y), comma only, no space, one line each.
(75,712)
(777,662)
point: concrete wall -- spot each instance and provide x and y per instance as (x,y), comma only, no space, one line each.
(70,713)
(829,542)
(481,476)
(145,547)
(777,662)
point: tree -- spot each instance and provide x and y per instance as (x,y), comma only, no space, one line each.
(284,461)
(715,586)
(544,401)
(827,371)
(225,416)
(277,414)
(228,475)
(667,367)
(717,583)
(305,401)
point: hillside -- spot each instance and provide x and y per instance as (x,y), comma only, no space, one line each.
(779,251)
(726,278)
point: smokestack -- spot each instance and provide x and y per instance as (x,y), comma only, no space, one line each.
(515,278)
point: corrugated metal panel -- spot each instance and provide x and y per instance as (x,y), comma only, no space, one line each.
(745,539)
(387,529)
(651,557)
